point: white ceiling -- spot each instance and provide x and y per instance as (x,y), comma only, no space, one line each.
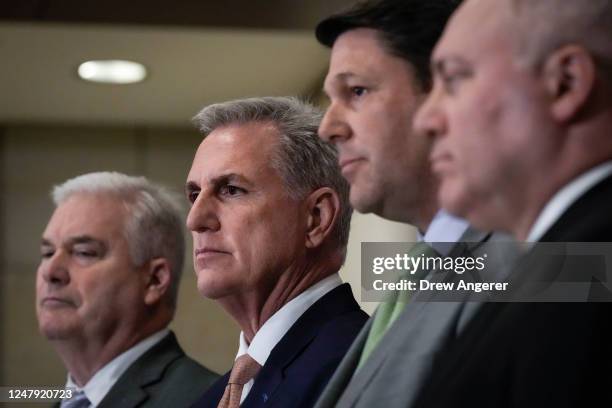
(189,68)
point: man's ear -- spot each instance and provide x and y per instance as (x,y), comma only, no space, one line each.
(323,210)
(570,76)
(158,278)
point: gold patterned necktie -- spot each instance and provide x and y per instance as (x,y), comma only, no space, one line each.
(245,368)
(392,307)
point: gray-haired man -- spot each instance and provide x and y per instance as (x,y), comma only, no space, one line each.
(111,259)
(270,220)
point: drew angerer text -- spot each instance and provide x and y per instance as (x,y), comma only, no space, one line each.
(425,285)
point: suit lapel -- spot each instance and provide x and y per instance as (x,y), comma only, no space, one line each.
(130,388)
(416,324)
(346,369)
(340,300)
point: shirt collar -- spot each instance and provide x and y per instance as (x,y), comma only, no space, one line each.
(565,197)
(273,330)
(444,232)
(100,384)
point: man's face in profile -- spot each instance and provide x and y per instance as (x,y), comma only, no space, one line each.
(484,113)
(87,286)
(246,228)
(373,96)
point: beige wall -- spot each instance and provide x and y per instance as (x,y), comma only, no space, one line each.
(35,158)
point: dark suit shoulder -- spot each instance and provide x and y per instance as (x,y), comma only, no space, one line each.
(163,376)
(183,382)
(303,361)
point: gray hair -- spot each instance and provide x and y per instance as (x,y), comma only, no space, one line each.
(549,24)
(303,160)
(154,225)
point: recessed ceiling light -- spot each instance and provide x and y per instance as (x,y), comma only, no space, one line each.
(112,71)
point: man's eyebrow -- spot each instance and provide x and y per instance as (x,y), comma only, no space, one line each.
(341,77)
(229,178)
(85,239)
(191,186)
(440,64)
(346,74)
(45,242)
(79,239)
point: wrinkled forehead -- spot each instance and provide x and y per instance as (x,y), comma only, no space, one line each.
(95,214)
(248,147)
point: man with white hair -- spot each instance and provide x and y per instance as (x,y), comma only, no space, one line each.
(520,116)
(106,290)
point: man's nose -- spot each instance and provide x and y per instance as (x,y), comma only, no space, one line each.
(203,215)
(429,120)
(54,269)
(334,127)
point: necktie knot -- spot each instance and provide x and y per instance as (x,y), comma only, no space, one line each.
(78,400)
(244,370)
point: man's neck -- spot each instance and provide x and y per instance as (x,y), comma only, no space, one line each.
(251,310)
(84,357)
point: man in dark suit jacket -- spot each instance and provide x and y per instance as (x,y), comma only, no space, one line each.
(303,361)
(106,292)
(270,219)
(378,76)
(521,113)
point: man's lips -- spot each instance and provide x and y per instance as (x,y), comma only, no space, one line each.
(56,301)
(349,161)
(441,162)
(205,255)
(208,251)
(348,165)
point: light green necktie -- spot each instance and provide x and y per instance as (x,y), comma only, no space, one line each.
(392,307)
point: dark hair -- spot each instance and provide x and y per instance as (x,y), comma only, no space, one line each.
(409,28)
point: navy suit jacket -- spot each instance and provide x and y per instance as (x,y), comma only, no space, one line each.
(302,363)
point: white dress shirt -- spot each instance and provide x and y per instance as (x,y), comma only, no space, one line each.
(273,330)
(565,197)
(444,231)
(100,384)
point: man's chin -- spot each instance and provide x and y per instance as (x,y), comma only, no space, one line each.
(453,199)
(363,201)
(57,331)
(212,290)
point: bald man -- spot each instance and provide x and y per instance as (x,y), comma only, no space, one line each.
(520,116)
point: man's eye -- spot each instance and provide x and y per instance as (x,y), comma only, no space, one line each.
(85,253)
(46,253)
(230,190)
(358,90)
(452,81)
(192,196)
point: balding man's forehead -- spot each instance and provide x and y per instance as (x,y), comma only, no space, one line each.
(476,25)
